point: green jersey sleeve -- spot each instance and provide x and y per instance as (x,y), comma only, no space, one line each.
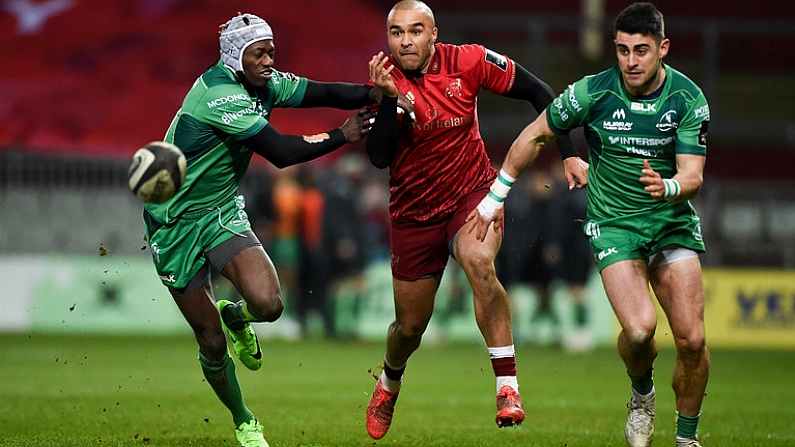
(691,135)
(569,110)
(287,89)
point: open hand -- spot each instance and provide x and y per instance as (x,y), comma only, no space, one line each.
(481,223)
(380,74)
(357,125)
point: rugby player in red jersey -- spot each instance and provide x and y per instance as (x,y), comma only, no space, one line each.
(439,172)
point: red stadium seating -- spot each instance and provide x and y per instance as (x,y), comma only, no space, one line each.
(102,78)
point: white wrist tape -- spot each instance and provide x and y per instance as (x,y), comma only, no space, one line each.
(672,189)
(488,206)
(497,193)
(502,186)
(506,177)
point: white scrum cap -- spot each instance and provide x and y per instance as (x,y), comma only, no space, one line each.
(237,34)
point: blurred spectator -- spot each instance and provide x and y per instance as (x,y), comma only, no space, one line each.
(544,244)
(571,256)
(285,247)
(344,235)
(313,278)
(526,256)
(375,213)
(257,186)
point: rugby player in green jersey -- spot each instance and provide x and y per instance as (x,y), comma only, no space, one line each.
(646,127)
(223,121)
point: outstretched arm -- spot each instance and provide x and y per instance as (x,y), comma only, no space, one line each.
(522,153)
(526,147)
(529,88)
(339,95)
(287,150)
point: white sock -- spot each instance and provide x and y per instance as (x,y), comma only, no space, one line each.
(507,380)
(643,396)
(389,384)
(502,352)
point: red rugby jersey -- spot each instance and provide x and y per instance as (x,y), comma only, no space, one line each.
(441,156)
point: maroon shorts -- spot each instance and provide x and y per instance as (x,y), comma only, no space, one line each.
(420,250)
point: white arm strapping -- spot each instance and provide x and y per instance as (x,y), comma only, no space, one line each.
(497,193)
(672,189)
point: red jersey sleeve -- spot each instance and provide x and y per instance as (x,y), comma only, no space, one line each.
(493,71)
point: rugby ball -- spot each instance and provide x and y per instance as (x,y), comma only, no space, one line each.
(156,172)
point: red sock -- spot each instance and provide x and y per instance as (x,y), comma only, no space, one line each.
(504,366)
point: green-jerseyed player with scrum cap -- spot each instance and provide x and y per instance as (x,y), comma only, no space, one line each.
(646,127)
(223,121)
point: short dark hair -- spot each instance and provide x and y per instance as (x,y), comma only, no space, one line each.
(641,18)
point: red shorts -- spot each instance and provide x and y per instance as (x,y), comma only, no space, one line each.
(421,250)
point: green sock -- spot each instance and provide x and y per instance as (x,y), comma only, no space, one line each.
(686,426)
(223,380)
(580,314)
(643,384)
(238,315)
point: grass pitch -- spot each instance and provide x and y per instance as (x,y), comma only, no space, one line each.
(88,390)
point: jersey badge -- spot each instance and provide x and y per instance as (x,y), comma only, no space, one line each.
(668,121)
(432,113)
(453,89)
(260,108)
(497,59)
(702,133)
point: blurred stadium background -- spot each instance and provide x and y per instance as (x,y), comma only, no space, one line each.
(84,83)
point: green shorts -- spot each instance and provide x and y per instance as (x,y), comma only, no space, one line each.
(641,235)
(179,249)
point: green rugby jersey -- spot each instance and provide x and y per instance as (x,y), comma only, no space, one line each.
(216,115)
(622,131)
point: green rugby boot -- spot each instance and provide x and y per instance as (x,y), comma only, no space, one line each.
(245,341)
(249,434)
